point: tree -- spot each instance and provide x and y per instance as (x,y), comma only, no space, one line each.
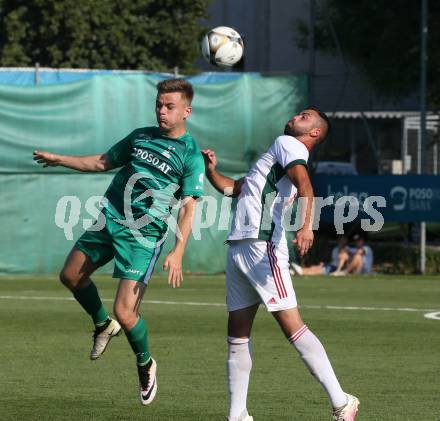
(383,39)
(113,34)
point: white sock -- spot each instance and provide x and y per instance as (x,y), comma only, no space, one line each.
(315,358)
(238,366)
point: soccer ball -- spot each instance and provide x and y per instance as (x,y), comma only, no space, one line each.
(222,46)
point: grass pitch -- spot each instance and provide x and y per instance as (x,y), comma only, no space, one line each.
(381,346)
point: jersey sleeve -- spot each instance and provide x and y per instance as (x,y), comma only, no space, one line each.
(290,152)
(119,154)
(193,175)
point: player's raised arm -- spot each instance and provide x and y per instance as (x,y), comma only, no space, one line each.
(223,184)
(300,178)
(89,163)
(173,262)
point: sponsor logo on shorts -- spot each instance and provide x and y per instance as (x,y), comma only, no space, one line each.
(137,272)
(272,301)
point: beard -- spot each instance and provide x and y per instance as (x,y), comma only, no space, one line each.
(295,132)
(291,131)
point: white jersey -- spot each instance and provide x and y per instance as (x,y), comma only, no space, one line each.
(267,192)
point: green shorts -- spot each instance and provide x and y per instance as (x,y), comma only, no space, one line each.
(133,260)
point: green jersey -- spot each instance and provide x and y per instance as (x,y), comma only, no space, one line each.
(156,172)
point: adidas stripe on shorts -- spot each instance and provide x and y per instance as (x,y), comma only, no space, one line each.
(258,272)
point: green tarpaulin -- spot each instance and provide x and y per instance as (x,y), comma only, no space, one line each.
(238,119)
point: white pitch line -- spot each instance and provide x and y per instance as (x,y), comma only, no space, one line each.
(370,308)
(205,304)
(187,303)
(433,316)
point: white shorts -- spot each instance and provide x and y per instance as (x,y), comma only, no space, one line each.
(258,272)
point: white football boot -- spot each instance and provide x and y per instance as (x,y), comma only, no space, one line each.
(147,382)
(295,269)
(349,411)
(101,338)
(243,417)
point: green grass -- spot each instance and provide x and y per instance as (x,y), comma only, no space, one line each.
(389,358)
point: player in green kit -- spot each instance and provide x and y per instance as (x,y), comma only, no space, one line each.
(160,165)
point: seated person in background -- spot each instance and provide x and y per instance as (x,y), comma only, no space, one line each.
(361,260)
(340,255)
(339,261)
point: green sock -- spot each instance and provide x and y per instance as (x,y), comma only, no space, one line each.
(89,299)
(138,339)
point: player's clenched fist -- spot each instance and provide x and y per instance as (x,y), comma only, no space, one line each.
(210,159)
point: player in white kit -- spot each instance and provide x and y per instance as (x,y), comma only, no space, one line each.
(257,267)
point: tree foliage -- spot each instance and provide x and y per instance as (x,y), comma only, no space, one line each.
(113,34)
(383,39)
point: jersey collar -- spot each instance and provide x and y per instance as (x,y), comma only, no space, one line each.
(182,138)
